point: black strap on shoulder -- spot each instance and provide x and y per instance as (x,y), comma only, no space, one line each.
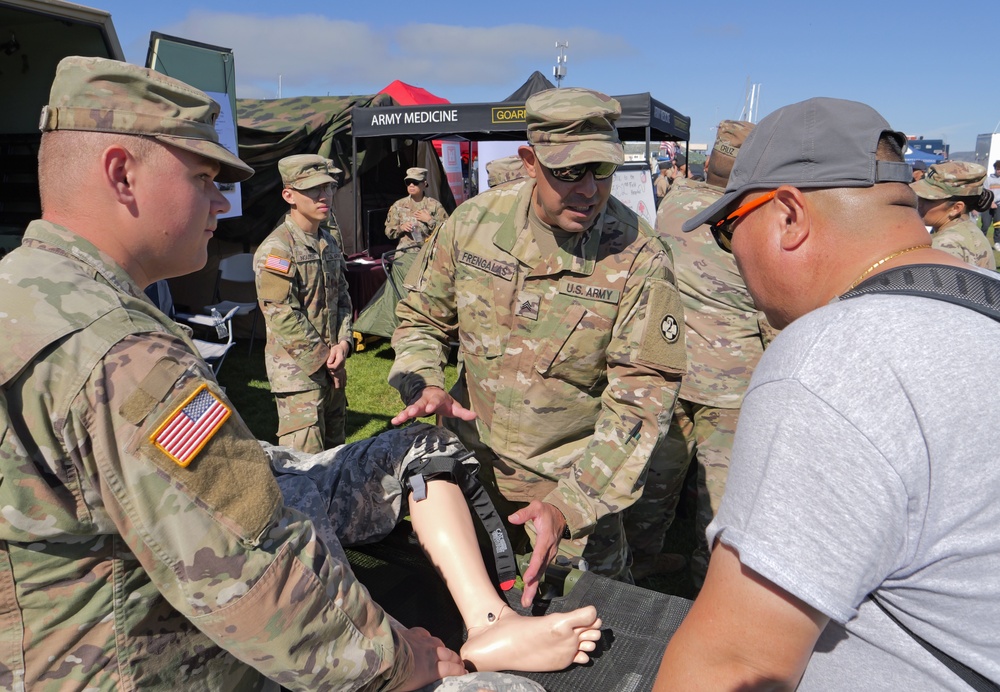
(965,287)
(975,680)
(458,471)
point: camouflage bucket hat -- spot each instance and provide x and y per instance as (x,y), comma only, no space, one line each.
(305,171)
(100,95)
(951,179)
(567,127)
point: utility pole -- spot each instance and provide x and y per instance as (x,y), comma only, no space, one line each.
(559,71)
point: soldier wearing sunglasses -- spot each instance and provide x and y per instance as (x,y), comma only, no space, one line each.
(570,333)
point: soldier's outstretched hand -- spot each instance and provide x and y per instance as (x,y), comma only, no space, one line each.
(433,401)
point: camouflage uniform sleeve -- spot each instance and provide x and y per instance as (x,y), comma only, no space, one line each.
(440,217)
(213,534)
(345,308)
(645,361)
(393,221)
(285,315)
(428,320)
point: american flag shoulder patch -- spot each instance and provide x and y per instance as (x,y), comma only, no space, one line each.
(192,424)
(278,264)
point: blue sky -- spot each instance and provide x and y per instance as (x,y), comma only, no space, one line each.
(925,66)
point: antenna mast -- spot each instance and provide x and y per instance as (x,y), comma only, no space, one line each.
(559,71)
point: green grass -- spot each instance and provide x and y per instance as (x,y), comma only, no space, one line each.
(371,405)
(371,402)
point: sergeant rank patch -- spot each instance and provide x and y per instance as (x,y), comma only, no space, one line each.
(192,424)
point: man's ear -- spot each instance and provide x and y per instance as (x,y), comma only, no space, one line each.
(795,216)
(527,155)
(119,168)
(286,194)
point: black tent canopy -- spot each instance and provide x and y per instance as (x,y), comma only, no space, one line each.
(643,119)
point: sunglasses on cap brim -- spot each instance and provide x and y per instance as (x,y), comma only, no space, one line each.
(602,170)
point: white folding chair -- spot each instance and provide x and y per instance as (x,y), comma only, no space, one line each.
(214,352)
(235,269)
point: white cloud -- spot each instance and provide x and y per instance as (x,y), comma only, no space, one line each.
(316,55)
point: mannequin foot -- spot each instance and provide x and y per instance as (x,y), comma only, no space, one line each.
(536,644)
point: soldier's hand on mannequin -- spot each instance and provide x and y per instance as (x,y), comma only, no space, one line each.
(433,401)
(432,660)
(549,524)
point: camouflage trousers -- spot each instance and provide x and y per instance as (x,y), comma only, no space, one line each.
(355,494)
(313,420)
(697,432)
(605,551)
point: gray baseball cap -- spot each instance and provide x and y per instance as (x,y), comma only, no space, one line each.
(819,143)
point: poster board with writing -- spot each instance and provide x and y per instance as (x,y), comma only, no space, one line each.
(633,186)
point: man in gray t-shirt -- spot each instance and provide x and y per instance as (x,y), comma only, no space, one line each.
(862,482)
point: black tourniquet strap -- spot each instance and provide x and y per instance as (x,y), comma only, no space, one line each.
(429,468)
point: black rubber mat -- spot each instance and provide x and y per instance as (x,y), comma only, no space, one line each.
(637,622)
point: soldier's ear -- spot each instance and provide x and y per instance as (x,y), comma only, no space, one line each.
(527,155)
(118,167)
(288,195)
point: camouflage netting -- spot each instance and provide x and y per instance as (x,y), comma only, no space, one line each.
(270,129)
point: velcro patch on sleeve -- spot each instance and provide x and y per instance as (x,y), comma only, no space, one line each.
(661,344)
(274,263)
(273,288)
(190,426)
(154,386)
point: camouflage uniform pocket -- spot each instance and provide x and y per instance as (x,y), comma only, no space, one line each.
(575,352)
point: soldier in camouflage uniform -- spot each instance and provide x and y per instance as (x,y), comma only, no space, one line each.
(504,170)
(945,196)
(568,322)
(146,543)
(724,339)
(414,218)
(303,294)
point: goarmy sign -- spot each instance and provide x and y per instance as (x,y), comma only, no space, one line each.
(473,119)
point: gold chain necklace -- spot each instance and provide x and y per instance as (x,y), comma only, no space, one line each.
(882,261)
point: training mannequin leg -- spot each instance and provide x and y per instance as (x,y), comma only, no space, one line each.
(499,638)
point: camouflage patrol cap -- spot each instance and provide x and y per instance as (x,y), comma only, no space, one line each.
(101,95)
(730,136)
(335,172)
(951,179)
(567,127)
(503,170)
(305,171)
(418,174)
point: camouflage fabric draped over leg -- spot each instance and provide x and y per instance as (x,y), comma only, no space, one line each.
(358,486)
(484,682)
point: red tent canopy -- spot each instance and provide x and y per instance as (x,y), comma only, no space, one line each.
(408,95)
